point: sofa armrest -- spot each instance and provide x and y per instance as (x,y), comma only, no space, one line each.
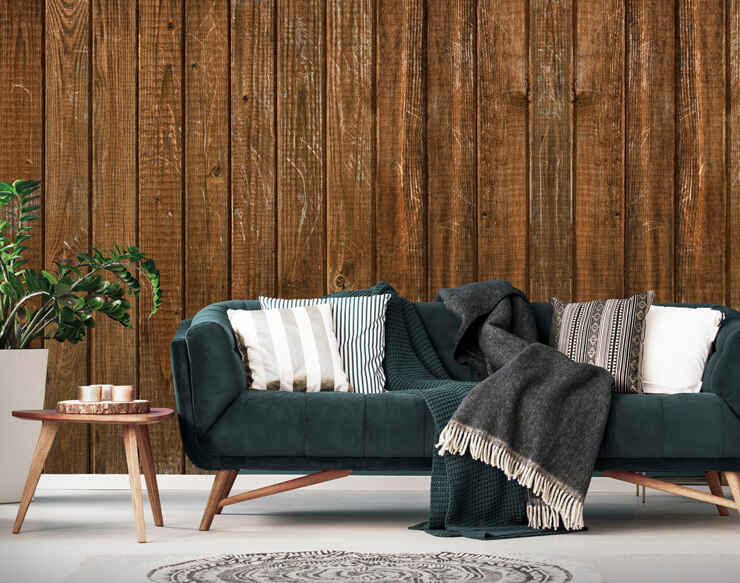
(722,373)
(217,374)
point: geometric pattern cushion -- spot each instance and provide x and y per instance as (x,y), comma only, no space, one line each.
(605,333)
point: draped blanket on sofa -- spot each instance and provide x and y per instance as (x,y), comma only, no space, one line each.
(515,451)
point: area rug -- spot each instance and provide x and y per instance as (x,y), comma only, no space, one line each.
(341,566)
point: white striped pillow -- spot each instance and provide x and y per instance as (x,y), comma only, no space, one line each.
(359,323)
(292,349)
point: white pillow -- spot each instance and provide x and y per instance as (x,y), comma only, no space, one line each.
(359,322)
(292,349)
(677,345)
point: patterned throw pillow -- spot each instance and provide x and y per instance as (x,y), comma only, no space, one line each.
(293,349)
(359,323)
(608,333)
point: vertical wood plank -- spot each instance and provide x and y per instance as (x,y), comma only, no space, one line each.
(502,141)
(599,150)
(650,148)
(451,143)
(207,207)
(66,223)
(350,142)
(301,149)
(160,208)
(733,161)
(22,102)
(253,143)
(401,205)
(113,348)
(206,146)
(701,187)
(550,147)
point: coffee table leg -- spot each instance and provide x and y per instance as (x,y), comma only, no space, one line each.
(147,462)
(132,459)
(43,445)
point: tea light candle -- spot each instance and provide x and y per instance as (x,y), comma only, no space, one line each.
(122,393)
(105,392)
(89,393)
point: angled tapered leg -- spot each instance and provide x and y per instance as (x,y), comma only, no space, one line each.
(227,488)
(219,483)
(134,477)
(715,486)
(43,445)
(150,474)
(733,480)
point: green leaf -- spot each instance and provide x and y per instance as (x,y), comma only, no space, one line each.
(8,290)
(49,277)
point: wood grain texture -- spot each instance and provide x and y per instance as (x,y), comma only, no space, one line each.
(301,149)
(550,147)
(401,202)
(253,263)
(22,102)
(103,408)
(206,147)
(451,143)
(134,478)
(350,233)
(161,182)
(701,184)
(502,142)
(599,150)
(733,150)
(66,223)
(650,148)
(113,348)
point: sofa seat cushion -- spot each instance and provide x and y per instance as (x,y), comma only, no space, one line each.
(696,425)
(278,423)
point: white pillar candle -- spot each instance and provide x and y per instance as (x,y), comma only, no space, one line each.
(122,393)
(89,393)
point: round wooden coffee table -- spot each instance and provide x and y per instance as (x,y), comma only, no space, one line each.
(135,436)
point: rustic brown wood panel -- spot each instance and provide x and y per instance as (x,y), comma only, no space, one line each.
(599,150)
(66,210)
(206,147)
(401,202)
(161,210)
(650,148)
(451,139)
(550,147)
(733,150)
(350,233)
(502,141)
(701,183)
(253,35)
(22,102)
(113,348)
(301,149)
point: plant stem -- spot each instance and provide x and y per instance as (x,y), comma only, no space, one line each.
(11,317)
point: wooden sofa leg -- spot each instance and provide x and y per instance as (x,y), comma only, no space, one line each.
(733,480)
(227,488)
(633,478)
(217,490)
(715,486)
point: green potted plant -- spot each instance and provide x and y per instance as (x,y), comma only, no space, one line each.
(60,304)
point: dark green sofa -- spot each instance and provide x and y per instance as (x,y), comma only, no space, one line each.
(226,427)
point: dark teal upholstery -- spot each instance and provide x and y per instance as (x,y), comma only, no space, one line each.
(225,426)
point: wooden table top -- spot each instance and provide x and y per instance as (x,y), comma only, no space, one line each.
(154,416)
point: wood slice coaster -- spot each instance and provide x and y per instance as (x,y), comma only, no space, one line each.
(103,407)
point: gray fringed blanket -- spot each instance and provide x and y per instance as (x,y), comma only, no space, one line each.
(537,416)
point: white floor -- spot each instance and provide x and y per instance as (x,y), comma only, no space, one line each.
(88,535)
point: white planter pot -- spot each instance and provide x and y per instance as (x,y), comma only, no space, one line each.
(22,386)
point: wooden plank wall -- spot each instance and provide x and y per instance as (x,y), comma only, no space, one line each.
(298,147)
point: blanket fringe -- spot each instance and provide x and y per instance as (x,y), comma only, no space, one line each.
(557,502)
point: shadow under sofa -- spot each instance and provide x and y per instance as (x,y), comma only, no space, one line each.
(226,427)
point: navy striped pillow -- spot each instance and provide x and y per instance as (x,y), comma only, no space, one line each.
(359,324)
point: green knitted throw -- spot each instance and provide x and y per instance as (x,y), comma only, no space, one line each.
(468,498)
